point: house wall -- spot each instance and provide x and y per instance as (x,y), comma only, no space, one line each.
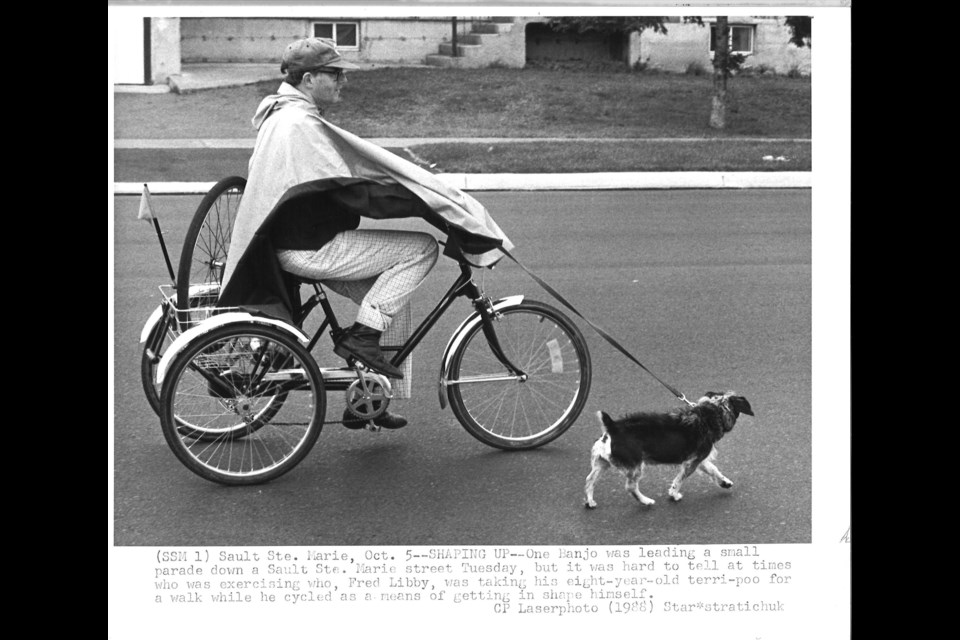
(689,44)
(164,49)
(408,41)
(382,40)
(402,41)
(237,39)
(775,50)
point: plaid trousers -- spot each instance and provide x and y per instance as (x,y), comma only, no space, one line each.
(379,270)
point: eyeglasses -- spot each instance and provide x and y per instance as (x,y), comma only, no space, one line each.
(333,72)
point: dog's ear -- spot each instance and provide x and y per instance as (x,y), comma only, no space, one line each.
(605,419)
(740,405)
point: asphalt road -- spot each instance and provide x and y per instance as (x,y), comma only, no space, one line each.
(709,289)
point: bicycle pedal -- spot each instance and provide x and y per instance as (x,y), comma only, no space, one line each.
(372,427)
(356,365)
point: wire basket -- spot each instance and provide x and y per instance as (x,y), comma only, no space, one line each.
(203,305)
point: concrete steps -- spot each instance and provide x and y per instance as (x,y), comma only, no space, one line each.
(470,46)
(477,38)
(493,27)
(449,62)
(463,50)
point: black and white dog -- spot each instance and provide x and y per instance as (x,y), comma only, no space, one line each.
(684,437)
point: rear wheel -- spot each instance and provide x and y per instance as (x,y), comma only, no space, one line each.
(161,335)
(159,339)
(242,404)
(204,255)
(509,413)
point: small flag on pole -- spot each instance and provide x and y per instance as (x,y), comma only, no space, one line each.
(146,211)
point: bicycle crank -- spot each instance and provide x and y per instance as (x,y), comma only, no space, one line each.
(368,397)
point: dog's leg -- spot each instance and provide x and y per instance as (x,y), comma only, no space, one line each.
(597,465)
(686,469)
(633,485)
(710,469)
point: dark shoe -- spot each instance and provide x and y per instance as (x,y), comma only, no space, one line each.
(387,421)
(363,343)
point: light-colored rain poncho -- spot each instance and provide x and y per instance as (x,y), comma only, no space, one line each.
(298,154)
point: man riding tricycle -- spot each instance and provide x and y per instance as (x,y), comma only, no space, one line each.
(227,363)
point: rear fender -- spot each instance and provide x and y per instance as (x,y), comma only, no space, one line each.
(151,323)
(458,336)
(216,322)
(207,290)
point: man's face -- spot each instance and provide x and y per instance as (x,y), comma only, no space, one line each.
(324,86)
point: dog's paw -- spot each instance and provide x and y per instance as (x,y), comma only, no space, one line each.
(726,484)
(675,495)
(648,502)
(590,504)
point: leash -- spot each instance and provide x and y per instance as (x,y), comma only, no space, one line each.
(606,336)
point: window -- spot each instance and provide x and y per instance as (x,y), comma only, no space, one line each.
(345,34)
(741,38)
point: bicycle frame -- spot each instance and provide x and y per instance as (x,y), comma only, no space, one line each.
(463,286)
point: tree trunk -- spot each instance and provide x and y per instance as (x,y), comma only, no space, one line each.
(721,54)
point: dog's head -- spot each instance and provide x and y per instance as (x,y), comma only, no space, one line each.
(731,402)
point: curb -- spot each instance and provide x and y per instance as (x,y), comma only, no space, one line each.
(627,180)
(249,143)
(554,182)
(184,83)
(141,88)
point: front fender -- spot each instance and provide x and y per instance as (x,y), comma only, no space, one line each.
(215,322)
(458,336)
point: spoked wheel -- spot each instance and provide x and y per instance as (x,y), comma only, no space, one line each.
(160,337)
(504,412)
(242,404)
(204,255)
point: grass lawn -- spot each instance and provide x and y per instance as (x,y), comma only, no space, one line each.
(545,103)
(522,103)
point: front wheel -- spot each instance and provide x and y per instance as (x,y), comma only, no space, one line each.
(503,411)
(242,404)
